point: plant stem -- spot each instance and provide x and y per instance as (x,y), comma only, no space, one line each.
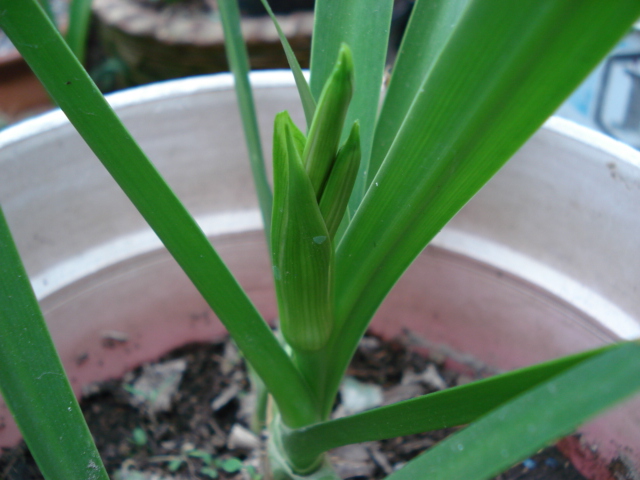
(302,467)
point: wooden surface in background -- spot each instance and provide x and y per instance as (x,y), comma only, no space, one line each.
(21,94)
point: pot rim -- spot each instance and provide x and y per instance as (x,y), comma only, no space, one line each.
(274,79)
(147,93)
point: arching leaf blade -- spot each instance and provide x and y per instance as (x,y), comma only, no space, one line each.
(33,382)
(466,122)
(531,421)
(447,408)
(430,27)
(77,32)
(239,65)
(308,102)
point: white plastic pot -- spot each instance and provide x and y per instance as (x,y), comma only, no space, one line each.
(541,263)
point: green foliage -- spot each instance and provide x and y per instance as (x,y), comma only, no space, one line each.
(239,64)
(231,465)
(308,102)
(527,423)
(446,126)
(206,463)
(139,437)
(464,122)
(66,81)
(206,457)
(447,408)
(78,29)
(209,472)
(175,464)
(33,382)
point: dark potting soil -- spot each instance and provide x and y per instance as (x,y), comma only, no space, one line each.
(192,422)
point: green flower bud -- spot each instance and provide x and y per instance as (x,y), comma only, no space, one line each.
(335,196)
(302,251)
(328,120)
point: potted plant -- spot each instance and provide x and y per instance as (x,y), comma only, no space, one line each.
(393,194)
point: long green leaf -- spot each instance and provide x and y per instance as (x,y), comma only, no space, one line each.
(430,27)
(308,102)
(79,17)
(33,382)
(364,26)
(531,421)
(46,6)
(239,65)
(68,83)
(467,120)
(447,408)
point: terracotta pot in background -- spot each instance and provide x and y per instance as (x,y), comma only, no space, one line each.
(137,42)
(159,41)
(541,263)
(21,94)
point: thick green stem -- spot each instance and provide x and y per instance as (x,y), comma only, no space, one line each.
(312,366)
(302,466)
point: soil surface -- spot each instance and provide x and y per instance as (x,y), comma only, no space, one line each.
(186,417)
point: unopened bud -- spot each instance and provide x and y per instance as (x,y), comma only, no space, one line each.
(302,251)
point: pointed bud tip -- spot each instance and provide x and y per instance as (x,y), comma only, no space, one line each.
(345,60)
(355,129)
(283,115)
